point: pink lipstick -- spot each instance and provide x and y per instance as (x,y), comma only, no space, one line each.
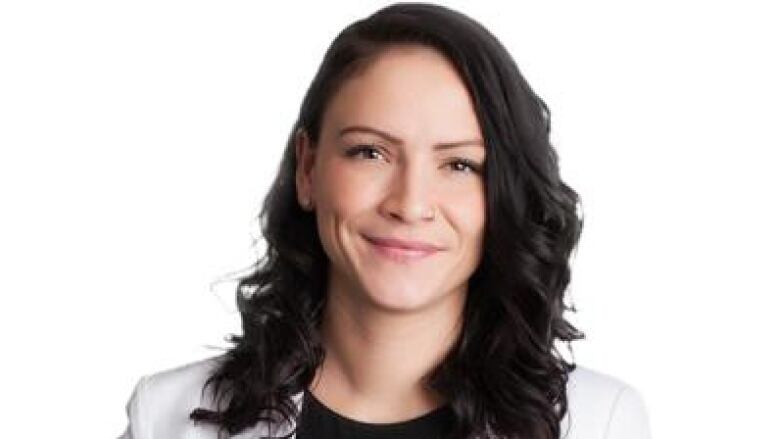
(401,250)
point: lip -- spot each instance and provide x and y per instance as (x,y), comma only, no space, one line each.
(402,243)
(402,250)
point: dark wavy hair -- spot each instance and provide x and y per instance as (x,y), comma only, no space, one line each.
(504,376)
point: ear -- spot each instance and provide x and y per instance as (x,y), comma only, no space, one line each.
(304,165)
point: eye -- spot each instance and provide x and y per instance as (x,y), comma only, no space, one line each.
(465,166)
(364,151)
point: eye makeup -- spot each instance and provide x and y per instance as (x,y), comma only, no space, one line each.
(372,152)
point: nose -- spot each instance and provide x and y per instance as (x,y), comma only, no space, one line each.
(410,195)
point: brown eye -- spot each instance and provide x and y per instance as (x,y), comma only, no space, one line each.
(363,151)
(465,166)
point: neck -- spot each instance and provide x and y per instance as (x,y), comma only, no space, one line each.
(375,359)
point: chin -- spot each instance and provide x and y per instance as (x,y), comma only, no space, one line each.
(402,297)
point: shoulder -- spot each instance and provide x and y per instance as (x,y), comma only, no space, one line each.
(181,386)
(603,406)
(162,401)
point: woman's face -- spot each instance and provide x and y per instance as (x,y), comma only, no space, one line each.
(400,157)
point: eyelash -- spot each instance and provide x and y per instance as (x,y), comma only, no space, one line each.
(470,164)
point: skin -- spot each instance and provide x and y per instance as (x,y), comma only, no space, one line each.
(387,323)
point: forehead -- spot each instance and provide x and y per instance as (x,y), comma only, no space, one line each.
(412,91)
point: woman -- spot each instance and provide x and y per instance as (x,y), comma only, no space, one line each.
(418,239)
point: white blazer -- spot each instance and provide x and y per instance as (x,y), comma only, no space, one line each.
(600,407)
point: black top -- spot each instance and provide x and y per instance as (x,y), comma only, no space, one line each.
(319,421)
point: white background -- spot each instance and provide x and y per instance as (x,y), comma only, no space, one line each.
(138,139)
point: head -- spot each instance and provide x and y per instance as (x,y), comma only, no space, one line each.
(399,155)
(417,126)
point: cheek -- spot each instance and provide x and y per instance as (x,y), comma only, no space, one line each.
(468,213)
(344,192)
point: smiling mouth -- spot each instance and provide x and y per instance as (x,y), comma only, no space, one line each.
(400,254)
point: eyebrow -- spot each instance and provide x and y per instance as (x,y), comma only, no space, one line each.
(389,137)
